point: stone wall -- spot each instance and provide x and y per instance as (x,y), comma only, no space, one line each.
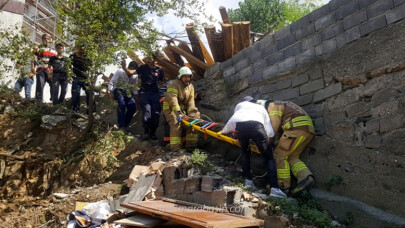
(345,65)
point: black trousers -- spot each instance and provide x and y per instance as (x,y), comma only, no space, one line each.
(255,130)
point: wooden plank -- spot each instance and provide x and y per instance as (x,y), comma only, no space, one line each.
(209,31)
(178,58)
(224,15)
(227,34)
(195,45)
(190,58)
(190,216)
(140,220)
(237,37)
(245,34)
(206,54)
(135,58)
(218,47)
(169,54)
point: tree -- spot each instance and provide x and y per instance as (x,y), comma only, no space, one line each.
(268,15)
(102,28)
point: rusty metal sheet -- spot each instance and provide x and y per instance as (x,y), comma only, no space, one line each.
(191,216)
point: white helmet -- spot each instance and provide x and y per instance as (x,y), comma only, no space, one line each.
(185,71)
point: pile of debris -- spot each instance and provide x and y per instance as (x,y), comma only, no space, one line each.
(175,192)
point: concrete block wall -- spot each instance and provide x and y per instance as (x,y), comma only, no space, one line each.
(345,65)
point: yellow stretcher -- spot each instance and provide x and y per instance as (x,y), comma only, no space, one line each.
(214,134)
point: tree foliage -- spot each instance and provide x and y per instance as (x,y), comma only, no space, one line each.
(268,15)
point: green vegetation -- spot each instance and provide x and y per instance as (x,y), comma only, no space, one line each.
(307,208)
(268,15)
(200,159)
(335,180)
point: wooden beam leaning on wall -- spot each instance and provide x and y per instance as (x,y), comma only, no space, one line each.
(208,59)
(245,34)
(135,58)
(195,45)
(218,47)
(194,65)
(227,36)
(176,56)
(209,31)
(224,15)
(237,37)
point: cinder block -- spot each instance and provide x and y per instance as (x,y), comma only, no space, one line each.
(372,126)
(311,41)
(332,31)
(325,21)
(334,4)
(233,195)
(213,69)
(192,185)
(379,8)
(314,110)
(398,2)
(287,41)
(269,50)
(373,141)
(282,33)
(312,86)
(245,72)
(303,99)
(218,198)
(305,31)
(259,65)
(287,94)
(315,73)
(286,64)
(347,9)
(299,80)
(283,84)
(293,50)
(356,109)
(275,58)
(305,56)
(255,56)
(210,183)
(229,72)
(319,126)
(365,3)
(327,92)
(170,174)
(396,14)
(348,36)
(226,64)
(303,22)
(255,77)
(391,122)
(270,71)
(372,25)
(325,47)
(242,64)
(354,19)
(318,13)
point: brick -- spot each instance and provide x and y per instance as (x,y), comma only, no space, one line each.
(305,31)
(269,50)
(334,4)
(327,92)
(287,94)
(244,73)
(255,77)
(332,31)
(275,58)
(300,24)
(379,8)
(241,64)
(286,65)
(325,47)
(229,72)
(372,25)
(398,2)
(293,50)
(391,122)
(305,56)
(265,42)
(218,198)
(372,126)
(325,21)
(233,195)
(210,183)
(256,55)
(270,71)
(240,56)
(348,36)
(311,86)
(311,41)
(315,73)
(303,99)
(287,41)
(283,84)
(373,141)
(282,33)
(299,80)
(192,185)
(259,65)
(396,14)
(319,126)
(365,3)
(318,13)
(226,64)
(347,9)
(354,19)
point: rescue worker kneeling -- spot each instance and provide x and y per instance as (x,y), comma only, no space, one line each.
(180,101)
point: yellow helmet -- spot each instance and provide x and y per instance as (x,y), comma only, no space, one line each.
(185,71)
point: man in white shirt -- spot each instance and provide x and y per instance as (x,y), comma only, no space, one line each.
(251,121)
(123,88)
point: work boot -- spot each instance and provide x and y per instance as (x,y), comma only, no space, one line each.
(304,184)
(250,184)
(276,192)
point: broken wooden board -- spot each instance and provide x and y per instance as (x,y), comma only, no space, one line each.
(190,216)
(140,220)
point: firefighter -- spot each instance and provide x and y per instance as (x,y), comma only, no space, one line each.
(295,129)
(180,102)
